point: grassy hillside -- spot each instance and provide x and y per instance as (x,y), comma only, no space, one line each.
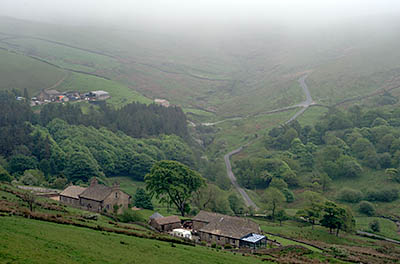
(25,241)
(19,72)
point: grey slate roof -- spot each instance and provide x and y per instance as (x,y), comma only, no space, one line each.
(204,216)
(167,220)
(227,226)
(96,192)
(73,191)
(156,215)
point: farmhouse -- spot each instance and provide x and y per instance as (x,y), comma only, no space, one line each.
(165,224)
(224,229)
(96,197)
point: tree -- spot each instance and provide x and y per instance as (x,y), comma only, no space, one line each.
(273,199)
(236,204)
(336,217)
(171,181)
(313,211)
(375,226)
(30,199)
(19,163)
(81,166)
(281,216)
(4,175)
(142,199)
(367,208)
(350,195)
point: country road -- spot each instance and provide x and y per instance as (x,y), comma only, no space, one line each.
(309,101)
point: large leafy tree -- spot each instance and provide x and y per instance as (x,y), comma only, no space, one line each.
(173,182)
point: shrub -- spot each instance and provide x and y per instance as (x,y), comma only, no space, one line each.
(214,245)
(349,195)
(129,216)
(375,226)
(383,195)
(4,175)
(367,208)
(288,195)
(228,246)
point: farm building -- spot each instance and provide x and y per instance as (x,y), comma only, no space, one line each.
(71,195)
(224,229)
(96,197)
(166,224)
(98,95)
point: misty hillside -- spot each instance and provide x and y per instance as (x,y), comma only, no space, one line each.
(213,131)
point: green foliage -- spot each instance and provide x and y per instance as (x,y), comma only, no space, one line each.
(19,163)
(289,195)
(366,208)
(375,226)
(335,217)
(173,182)
(350,195)
(281,216)
(130,216)
(33,177)
(272,200)
(236,204)
(383,195)
(142,199)
(4,175)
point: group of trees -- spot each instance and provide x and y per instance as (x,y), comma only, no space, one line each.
(134,119)
(62,142)
(326,213)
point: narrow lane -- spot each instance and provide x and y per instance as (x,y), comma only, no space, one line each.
(309,101)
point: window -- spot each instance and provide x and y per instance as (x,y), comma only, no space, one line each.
(116,195)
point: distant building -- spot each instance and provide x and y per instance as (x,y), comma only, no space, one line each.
(50,95)
(165,224)
(224,229)
(98,95)
(162,102)
(96,197)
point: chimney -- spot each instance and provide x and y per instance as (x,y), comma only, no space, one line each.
(115,186)
(93,182)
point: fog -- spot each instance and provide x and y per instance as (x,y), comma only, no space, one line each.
(181,13)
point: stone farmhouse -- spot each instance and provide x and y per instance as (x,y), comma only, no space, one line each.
(97,197)
(224,229)
(164,224)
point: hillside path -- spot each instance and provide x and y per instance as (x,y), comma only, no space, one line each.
(309,101)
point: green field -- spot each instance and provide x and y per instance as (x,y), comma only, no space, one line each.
(65,57)
(19,72)
(387,228)
(32,241)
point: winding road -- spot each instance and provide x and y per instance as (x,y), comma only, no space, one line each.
(304,105)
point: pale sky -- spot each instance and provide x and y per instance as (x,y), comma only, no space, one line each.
(182,11)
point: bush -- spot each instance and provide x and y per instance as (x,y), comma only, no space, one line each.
(288,195)
(214,245)
(350,195)
(129,216)
(375,226)
(4,175)
(383,195)
(228,246)
(367,208)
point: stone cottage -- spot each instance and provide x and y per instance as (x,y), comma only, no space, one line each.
(97,197)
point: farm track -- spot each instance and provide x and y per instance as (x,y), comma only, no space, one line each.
(308,102)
